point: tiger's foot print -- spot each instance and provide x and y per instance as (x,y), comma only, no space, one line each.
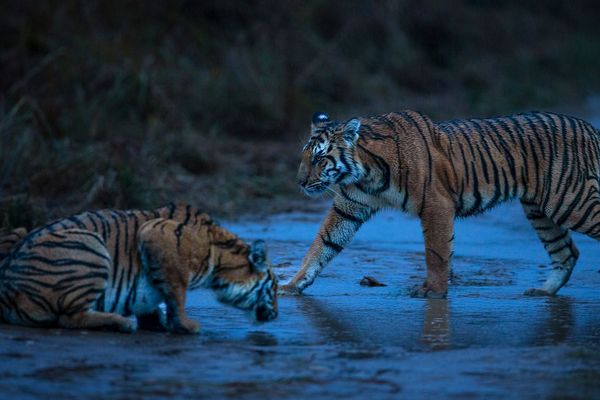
(423,292)
(535,292)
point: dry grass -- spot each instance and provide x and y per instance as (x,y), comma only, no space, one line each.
(130,104)
(222,175)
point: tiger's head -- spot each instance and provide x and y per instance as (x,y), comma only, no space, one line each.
(242,275)
(329,157)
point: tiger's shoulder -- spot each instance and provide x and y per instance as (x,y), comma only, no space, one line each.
(183,213)
(186,239)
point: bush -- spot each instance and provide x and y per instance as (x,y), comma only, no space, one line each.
(124,103)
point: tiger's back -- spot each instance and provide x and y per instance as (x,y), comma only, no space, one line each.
(543,158)
(479,162)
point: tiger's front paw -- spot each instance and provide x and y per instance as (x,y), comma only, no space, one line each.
(288,290)
(422,291)
(185,327)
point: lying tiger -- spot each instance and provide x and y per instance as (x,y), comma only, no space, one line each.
(459,168)
(94,269)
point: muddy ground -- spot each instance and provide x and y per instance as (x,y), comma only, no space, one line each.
(343,340)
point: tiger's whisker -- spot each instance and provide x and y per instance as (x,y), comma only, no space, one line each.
(333,191)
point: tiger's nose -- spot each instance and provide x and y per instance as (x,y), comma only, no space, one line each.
(303,182)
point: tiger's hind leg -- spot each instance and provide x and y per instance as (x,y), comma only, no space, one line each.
(96,320)
(560,248)
(57,279)
(78,291)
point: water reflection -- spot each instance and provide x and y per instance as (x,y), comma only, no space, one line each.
(330,323)
(261,338)
(558,323)
(430,324)
(338,326)
(436,324)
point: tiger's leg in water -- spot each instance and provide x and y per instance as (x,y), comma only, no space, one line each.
(437,223)
(560,248)
(342,222)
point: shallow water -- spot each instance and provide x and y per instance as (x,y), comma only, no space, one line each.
(341,339)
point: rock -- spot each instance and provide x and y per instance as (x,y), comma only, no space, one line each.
(370,281)
(282,265)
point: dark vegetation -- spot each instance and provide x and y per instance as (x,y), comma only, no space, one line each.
(132,104)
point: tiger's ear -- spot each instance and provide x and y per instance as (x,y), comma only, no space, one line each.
(351,131)
(318,119)
(258,256)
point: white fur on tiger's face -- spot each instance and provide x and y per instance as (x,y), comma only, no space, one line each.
(328,157)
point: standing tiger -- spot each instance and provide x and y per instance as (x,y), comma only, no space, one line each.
(440,171)
(93,269)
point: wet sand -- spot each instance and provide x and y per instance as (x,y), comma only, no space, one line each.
(344,340)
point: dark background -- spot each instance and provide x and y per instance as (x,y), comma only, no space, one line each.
(132,104)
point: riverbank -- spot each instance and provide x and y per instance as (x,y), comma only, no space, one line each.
(342,339)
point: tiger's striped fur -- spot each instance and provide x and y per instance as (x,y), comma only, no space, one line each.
(238,273)
(56,280)
(440,171)
(130,287)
